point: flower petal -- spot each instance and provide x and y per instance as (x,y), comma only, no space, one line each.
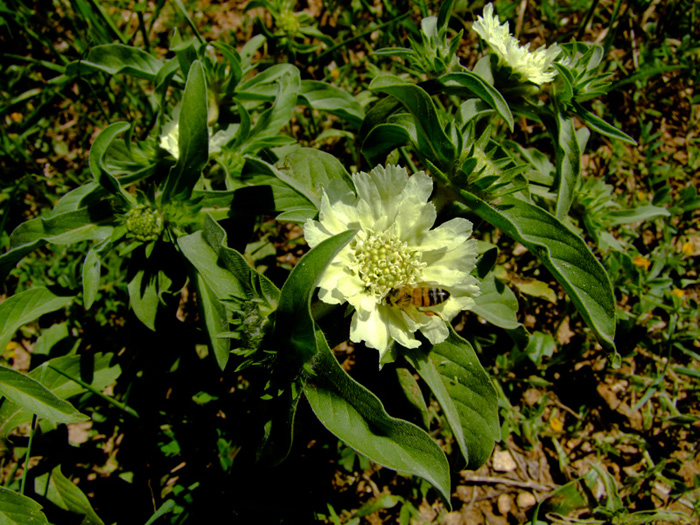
(315,232)
(451,267)
(435,331)
(380,190)
(373,330)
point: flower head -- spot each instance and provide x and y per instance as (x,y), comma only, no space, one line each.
(144,223)
(531,66)
(396,270)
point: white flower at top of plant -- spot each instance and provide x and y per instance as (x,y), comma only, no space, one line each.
(394,248)
(533,66)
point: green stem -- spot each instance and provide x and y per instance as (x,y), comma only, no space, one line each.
(27,455)
(360,35)
(89,387)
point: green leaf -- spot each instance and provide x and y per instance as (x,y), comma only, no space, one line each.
(286,88)
(384,138)
(90,277)
(481,88)
(535,288)
(114,59)
(309,171)
(193,138)
(215,319)
(295,342)
(259,173)
(164,509)
(433,142)
(95,371)
(33,396)
(541,345)
(297,215)
(325,97)
(16,509)
(279,429)
(97,166)
(50,337)
(77,198)
(357,417)
(225,270)
(377,115)
(465,393)
(25,307)
(598,124)
(568,164)
(413,393)
(642,213)
(63,493)
(84,224)
(563,252)
(497,303)
(143,297)
(444,16)
(294,326)
(222,273)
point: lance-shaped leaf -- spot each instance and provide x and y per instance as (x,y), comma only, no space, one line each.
(563,252)
(294,327)
(91,277)
(16,509)
(414,395)
(325,97)
(117,58)
(222,273)
(639,214)
(35,397)
(144,296)
(357,417)
(84,224)
(476,85)
(464,391)
(215,319)
(99,374)
(193,137)
(295,342)
(568,164)
(309,171)
(25,307)
(63,493)
(598,124)
(384,138)
(281,82)
(433,142)
(99,171)
(224,269)
(496,303)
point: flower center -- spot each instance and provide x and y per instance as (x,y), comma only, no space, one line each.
(384,262)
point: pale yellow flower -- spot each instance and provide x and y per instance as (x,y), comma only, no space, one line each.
(394,249)
(530,66)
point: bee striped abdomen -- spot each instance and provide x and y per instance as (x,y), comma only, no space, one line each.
(426,297)
(419,296)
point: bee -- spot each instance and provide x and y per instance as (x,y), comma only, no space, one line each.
(421,296)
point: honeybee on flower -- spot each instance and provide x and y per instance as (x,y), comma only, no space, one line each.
(399,273)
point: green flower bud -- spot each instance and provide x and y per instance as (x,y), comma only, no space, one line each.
(144,223)
(289,22)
